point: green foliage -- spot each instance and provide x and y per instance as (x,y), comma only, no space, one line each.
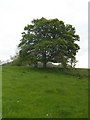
(49,41)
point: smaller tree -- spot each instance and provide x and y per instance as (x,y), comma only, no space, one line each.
(0,62)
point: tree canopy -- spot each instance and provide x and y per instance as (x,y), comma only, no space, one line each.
(49,41)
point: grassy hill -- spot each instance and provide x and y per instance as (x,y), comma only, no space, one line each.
(44,93)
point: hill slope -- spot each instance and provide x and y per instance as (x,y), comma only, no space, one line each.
(40,93)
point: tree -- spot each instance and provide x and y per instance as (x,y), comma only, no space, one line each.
(0,62)
(49,40)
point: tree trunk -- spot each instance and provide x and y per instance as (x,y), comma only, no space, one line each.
(36,64)
(44,64)
(44,60)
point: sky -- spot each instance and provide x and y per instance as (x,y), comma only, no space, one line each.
(16,14)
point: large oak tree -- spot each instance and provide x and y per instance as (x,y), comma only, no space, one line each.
(49,41)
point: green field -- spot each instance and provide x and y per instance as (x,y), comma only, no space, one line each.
(44,93)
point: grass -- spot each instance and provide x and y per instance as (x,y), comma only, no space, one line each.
(41,93)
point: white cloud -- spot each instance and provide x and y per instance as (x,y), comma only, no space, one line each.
(15,14)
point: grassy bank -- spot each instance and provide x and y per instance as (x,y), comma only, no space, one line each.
(44,93)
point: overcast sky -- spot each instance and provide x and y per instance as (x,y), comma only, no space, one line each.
(16,14)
